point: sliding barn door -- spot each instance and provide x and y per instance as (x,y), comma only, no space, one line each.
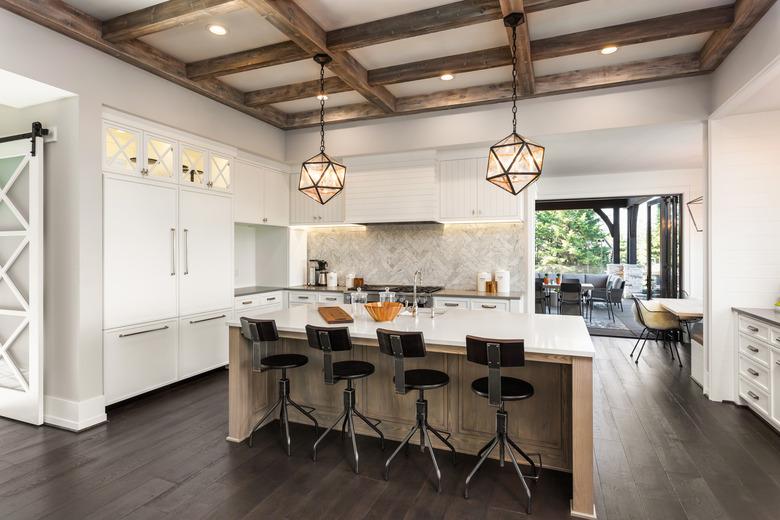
(21,281)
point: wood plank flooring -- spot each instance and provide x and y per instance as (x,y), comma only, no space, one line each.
(661,449)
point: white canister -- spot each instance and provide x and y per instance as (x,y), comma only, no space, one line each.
(482,279)
(349,281)
(502,281)
(333,280)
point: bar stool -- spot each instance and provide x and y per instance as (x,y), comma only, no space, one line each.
(496,353)
(402,345)
(258,331)
(335,339)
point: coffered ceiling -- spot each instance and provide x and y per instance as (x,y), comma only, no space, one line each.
(388,55)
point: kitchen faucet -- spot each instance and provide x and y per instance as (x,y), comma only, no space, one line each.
(414,291)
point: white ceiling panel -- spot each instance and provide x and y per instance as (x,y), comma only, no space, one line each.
(193,42)
(295,72)
(629,53)
(462,80)
(312,103)
(335,14)
(107,9)
(444,43)
(20,92)
(603,13)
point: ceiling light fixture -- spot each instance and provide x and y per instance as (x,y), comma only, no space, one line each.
(321,177)
(217,29)
(446,77)
(514,163)
(609,49)
(322,97)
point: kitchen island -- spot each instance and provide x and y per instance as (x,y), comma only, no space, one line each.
(557,422)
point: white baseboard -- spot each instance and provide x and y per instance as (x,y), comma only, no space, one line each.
(74,415)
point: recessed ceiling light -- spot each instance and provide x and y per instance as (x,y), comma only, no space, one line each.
(219,30)
(609,49)
(446,77)
(322,97)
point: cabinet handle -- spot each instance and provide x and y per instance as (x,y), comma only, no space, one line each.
(303,297)
(207,319)
(265,220)
(272,298)
(751,348)
(752,372)
(751,328)
(209,184)
(754,396)
(447,304)
(173,251)
(143,332)
(186,252)
(777,362)
(144,172)
(247,302)
(488,306)
(331,299)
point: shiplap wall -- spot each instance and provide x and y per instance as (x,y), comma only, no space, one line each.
(744,232)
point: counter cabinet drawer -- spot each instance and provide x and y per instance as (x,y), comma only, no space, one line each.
(755,397)
(756,350)
(451,303)
(754,328)
(775,333)
(303,297)
(261,309)
(483,304)
(330,298)
(203,345)
(754,372)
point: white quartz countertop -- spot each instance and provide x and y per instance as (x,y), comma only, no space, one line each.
(543,333)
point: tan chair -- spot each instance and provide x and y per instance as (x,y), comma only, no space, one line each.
(656,321)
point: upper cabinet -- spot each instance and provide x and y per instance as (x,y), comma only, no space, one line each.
(121,149)
(262,195)
(219,173)
(467,196)
(193,166)
(305,211)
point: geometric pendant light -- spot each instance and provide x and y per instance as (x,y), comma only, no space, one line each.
(322,178)
(514,163)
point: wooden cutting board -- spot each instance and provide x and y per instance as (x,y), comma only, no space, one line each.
(333,315)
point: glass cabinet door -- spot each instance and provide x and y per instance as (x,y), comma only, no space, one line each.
(160,158)
(193,166)
(219,175)
(121,149)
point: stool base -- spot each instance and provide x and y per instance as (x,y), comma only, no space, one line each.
(424,428)
(347,421)
(505,445)
(284,424)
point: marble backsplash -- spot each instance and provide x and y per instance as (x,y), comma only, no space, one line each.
(449,255)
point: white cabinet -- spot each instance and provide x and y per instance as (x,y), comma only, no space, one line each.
(130,151)
(302,298)
(478,304)
(206,227)
(203,343)
(403,194)
(304,210)
(194,166)
(466,195)
(484,304)
(450,303)
(775,377)
(758,366)
(139,359)
(160,154)
(330,298)
(262,195)
(139,252)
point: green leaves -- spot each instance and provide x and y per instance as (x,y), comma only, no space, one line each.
(571,241)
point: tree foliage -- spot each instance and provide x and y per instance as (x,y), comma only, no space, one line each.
(571,240)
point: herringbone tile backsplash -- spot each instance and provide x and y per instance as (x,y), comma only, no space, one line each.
(450,255)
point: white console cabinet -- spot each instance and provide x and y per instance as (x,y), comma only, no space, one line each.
(758,366)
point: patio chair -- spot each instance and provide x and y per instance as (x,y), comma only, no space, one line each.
(570,296)
(600,295)
(542,298)
(659,323)
(616,293)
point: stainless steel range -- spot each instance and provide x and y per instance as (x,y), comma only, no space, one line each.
(403,293)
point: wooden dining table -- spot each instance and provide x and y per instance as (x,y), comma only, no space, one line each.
(685,309)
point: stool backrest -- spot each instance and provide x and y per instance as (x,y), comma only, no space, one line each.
(400,345)
(328,340)
(259,330)
(495,353)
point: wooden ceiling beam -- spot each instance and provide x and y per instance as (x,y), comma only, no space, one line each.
(69,21)
(293,21)
(746,14)
(587,79)
(433,68)
(295,91)
(165,15)
(672,26)
(523,65)
(268,56)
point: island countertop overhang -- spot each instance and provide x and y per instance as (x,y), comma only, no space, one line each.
(543,334)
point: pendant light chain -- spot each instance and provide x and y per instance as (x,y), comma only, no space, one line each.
(322,107)
(514,79)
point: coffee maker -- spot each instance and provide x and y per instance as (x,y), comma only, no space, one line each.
(318,274)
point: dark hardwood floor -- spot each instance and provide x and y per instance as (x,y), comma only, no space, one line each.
(662,452)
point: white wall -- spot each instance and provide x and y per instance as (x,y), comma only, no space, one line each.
(100,80)
(261,255)
(744,236)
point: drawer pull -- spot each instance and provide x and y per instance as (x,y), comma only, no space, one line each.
(331,299)
(484,306)
(777,362)
(752,372)
(272,298)
(754,396)
(207,319)
(302,297)
(751,328)
(751,348)
(447,304)
(247,302)
(143,332)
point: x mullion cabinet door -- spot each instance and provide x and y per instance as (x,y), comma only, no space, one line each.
(194,166)
(122,149)
(161,158)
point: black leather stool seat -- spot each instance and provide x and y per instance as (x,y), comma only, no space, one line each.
(423,379)
(512,389)
(352,369)
(279,361)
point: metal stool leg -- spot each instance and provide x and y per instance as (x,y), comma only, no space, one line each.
(443,439)
(307,414)
(354,440)
(433,458)
(522,478)
(482,459)
(262,420)
(325,434)
(404,443)
(373,426)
